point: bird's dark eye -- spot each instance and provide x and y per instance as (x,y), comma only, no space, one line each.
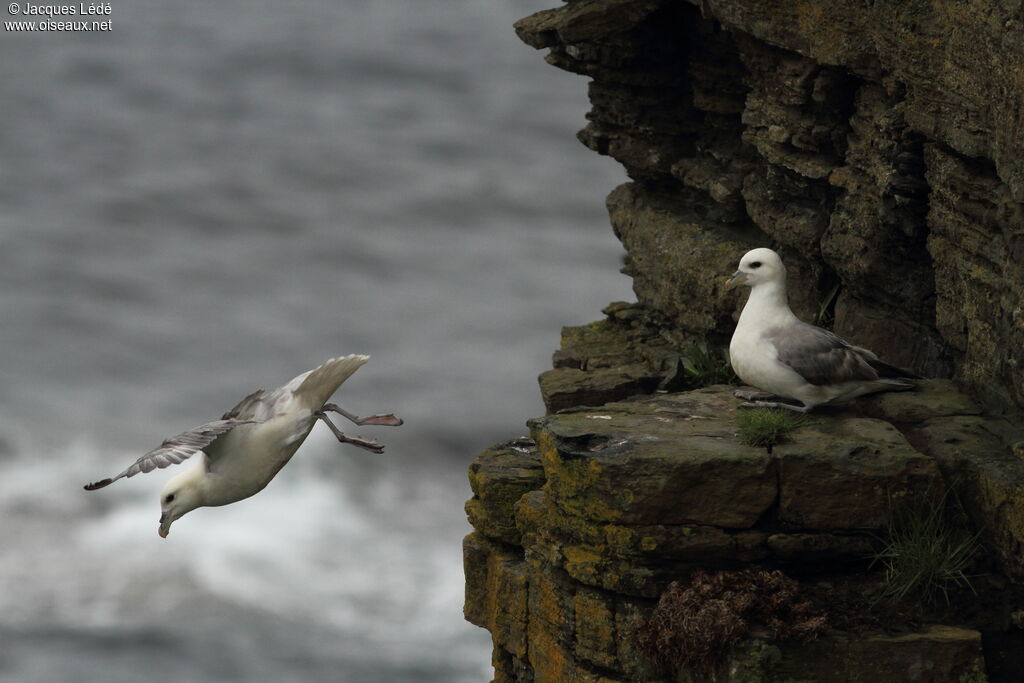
(755,264)
(169,498)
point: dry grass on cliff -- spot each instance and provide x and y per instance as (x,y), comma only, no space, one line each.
(697,621)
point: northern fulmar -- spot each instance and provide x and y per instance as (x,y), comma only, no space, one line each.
(776,352)
(242,451)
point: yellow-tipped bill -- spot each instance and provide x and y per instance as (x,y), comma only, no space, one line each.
(737,278)
(165,525)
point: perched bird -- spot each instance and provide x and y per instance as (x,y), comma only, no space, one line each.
(241,452)
(775,351)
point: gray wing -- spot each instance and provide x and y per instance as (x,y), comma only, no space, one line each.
(247,407)
(175,450)
(821,357)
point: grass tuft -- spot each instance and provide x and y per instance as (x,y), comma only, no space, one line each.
(706,365)
(925,555)
(826,315)
(765,427)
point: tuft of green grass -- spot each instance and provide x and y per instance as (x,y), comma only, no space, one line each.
(767,427)
(826,311)
(925,555)
(706,365)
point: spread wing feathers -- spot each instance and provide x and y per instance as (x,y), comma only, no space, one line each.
(246,408)
(175,449)
(821,357)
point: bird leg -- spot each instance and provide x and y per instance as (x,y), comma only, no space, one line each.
(387,420)
(753,395)
(774,404)
(368,444)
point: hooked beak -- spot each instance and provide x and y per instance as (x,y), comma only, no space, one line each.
(737,278)
(165,525)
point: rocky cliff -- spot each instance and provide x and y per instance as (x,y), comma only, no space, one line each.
(876,145)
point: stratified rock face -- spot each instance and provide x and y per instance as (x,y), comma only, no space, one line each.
(878,145)
(581,527)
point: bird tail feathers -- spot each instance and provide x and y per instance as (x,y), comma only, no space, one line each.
(895,384)
(317,385)
(886,371)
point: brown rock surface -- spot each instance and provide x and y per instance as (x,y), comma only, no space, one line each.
(878,147)
(611,504)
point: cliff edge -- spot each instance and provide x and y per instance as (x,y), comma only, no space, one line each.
(877,147)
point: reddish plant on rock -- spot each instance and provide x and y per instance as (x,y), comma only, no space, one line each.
(696,621)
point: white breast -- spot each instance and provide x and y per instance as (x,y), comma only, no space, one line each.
(250,456)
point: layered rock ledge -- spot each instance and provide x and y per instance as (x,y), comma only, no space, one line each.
(581,526)
(878,147)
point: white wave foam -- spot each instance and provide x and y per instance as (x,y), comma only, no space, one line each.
(372,558)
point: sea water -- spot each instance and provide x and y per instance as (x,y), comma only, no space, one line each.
(213,197)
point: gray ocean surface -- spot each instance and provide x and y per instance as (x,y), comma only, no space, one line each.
(214,197)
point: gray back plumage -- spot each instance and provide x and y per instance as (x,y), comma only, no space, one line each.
(821,357)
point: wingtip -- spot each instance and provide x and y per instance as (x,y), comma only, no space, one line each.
(97,484)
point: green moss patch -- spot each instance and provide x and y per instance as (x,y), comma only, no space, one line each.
(764,427)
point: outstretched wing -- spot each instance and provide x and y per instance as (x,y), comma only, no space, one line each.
(821,357)
(175,450)
(247,407)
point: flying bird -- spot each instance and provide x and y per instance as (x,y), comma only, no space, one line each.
(776,352)
(242,451)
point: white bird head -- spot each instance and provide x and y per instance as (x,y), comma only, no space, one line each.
(181,495)
(757,266)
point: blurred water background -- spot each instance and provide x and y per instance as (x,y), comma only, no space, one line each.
(214,197)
